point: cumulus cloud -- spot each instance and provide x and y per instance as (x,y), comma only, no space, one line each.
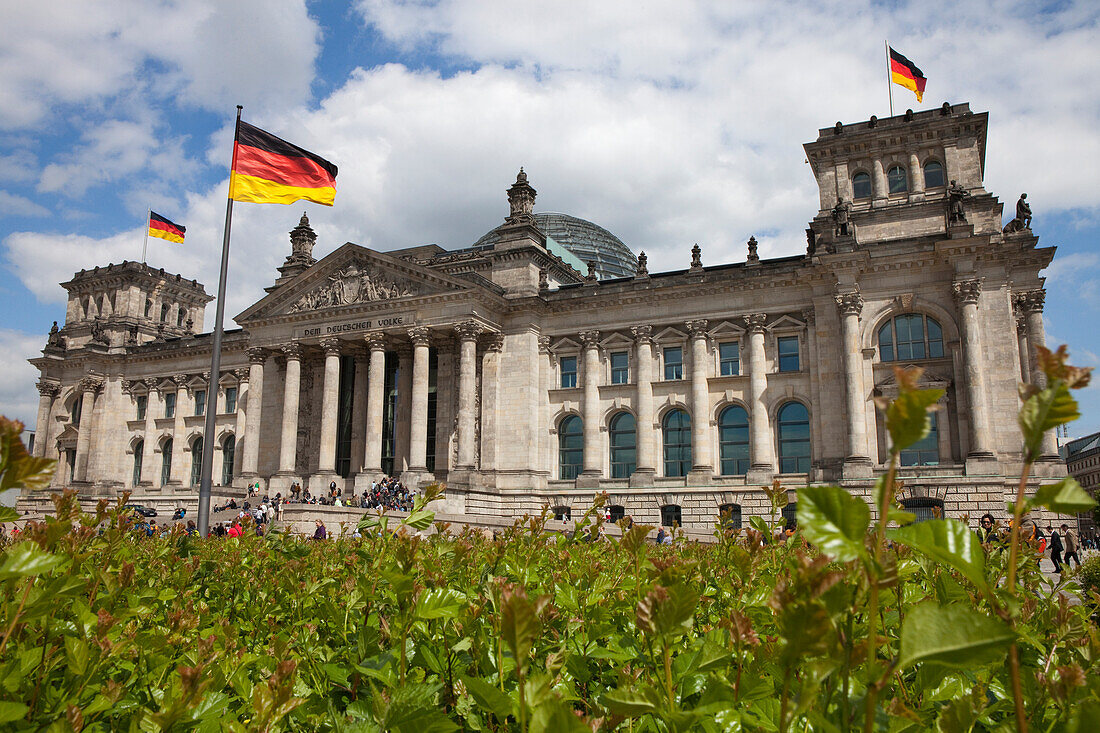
(18,397)
(14,205)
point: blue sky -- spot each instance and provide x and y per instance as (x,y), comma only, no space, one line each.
(669,123)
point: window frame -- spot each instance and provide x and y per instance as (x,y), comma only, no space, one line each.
(229,454)
(672,515)
(780,357)
(802,463)
(139,457)
(196,461)
(916,455)
(141,401)
(904,180)
(562,371)
(861,174)
(622,469)
(170,405)
(889,353)
(166,461)
(677,367)
(575,468)
(943,173)
(735,514)
(230,405)
(681,465)
(619,374)
(200,404)
(723,360)
(722,443)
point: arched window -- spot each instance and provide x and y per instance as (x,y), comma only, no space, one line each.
(229,448)
(624,442)
(164,312)
(166,462)
(196,461)
(910,336)
(729,516)
(616,512)
(896,180)
(139,452)
(926,451)
(933,174)
(861,186)
(78,403)
(563,513)
(570,447)
(179,317)
(671,515)
(733,440)
(790,515)
(677,436)
(148,308)
(925,507)
(794,438)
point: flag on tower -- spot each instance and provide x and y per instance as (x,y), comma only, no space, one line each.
(161,227)
(905,73)
(269,170)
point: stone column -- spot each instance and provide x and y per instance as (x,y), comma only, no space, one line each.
(47,391)
(330,406)
(89,387)
(250,459)
(592,453)
(967,293)
(878,181)
(242,424)
(916,176)
(359,411)
(418,411)
(702,463)
(180,454)
(403,411)
(1021,347)
(850,306)
(546,383)
(647,453)
(372,458)
(1031,304)
(467,384)
(288,439)
(760,433)
(149,455)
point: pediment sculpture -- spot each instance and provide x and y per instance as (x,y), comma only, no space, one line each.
(353,285)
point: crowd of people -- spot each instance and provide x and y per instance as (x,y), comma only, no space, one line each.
(1062,544)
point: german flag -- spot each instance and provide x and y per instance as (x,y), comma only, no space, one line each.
(905,73)
(161,227)
(269,170)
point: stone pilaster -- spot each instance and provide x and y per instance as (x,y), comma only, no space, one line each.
(418,411)
(241,426)
(592,453)
(288,438)
(47,392)
(372,458)
(1031,303)
(761,447)
(89,387)
(467,334)
(857,464)
(180,454)
(153,408)
(916,176)
(967,293)
(1022,347)
(702,463)
(546,382)
(330,404)
(643,371)
(250,460)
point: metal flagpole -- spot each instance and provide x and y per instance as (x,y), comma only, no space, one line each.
(211,410)
(145,245)
(889,82)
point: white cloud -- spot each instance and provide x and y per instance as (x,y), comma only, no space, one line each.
(14,205)
(18,397)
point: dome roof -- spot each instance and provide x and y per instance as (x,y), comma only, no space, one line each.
(587,241)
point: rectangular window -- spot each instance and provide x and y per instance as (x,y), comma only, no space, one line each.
(568,372)
(729,359)
(788,354)
(170,404)
(674,363)
(200,401)
(142,405)
(620,370)
(230,399)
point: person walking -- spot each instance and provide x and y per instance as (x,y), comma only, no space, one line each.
(1056,549)
(1070,540)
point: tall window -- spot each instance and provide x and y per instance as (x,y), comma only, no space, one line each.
(148,308)
(788,354)
(166,462)
(179,316)
(910,336)
(790,515)
(78,405)
(230,399)
(729,359)
(861,186)
(200,401)
(925,507)
(794,438)
(733,440)
(568,372)
(671,516)
(570,447)
(674,363)
(196,461)
(620,369)
(729,516)
(624,442)
(164,312)
(926,451)
(933,174)
(677,437)
(142,405)
(170,404)
(229,450)
(895,179)
(139,452)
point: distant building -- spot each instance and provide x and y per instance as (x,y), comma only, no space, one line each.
(1083,463)
(521,379)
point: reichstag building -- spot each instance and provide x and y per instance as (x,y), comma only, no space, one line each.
(545,363)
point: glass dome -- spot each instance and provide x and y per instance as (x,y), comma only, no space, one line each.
(587,241)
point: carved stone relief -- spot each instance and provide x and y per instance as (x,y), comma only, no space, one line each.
(353,285)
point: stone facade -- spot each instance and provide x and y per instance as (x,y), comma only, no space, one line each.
(522,382)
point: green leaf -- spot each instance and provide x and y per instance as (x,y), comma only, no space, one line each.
(834,520)
(628,703)
(1045,410)
(12,711)
(519,625)
(760,525)
(948,541)
(489,697)
(908,419)
(1064,497)
(439,603)
(8,514)
(26,558)
(18,469)
(420,519)
(957,637)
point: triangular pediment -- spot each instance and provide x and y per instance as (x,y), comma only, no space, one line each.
(353,276)
(786,323)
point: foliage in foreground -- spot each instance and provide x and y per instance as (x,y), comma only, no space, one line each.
(871,626)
